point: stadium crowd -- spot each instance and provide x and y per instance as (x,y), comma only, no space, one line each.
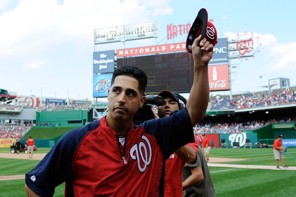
(12,131)
(236,127)
(217,102)
(237,102)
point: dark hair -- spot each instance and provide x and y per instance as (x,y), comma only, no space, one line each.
(134,72)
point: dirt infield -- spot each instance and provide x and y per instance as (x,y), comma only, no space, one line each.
(221,160)
(36,156)
(12,177)
(258,167)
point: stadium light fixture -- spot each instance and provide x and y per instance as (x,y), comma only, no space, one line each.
(125,33)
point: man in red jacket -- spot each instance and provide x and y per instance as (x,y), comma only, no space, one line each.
(113,156)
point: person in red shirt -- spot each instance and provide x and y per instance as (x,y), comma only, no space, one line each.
(174,164)
(206,146)
(30,146)
(115,157)
(277,151)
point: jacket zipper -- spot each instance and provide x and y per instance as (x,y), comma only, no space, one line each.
(122,150)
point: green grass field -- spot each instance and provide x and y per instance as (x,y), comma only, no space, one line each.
(229,182)
(254,156)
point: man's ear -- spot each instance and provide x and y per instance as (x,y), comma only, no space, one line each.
(143,99)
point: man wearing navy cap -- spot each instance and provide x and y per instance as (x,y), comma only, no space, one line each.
(188,153)
(174,186)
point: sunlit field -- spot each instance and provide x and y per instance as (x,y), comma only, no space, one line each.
(228,182)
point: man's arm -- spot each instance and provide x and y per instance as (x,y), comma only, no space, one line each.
(30,193)
(187,154)
(208,143)
(195,177)
(199,94)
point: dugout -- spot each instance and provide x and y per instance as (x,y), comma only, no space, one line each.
(270,132)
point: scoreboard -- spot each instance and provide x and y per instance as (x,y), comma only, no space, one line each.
(168,67)
(170,71)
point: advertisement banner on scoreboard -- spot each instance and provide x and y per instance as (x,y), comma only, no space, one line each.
(151,50)
(219,77)
(103,61)
(220,55)
(101,84)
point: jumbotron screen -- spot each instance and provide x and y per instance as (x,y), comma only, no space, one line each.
(171,71)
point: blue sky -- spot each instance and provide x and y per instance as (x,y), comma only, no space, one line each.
(46,46)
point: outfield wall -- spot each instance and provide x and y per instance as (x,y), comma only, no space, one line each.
(62,118)
(265,134)
(46,137)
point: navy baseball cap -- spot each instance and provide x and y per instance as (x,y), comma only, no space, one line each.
(168,94)
(201,26)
